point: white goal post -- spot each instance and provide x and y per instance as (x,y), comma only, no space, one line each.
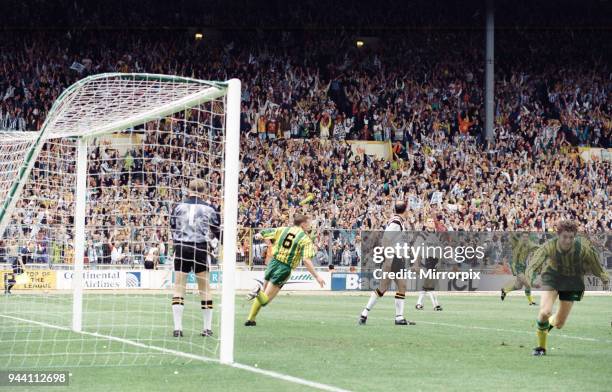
(62,187)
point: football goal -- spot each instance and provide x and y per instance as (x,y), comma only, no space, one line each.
(85,236)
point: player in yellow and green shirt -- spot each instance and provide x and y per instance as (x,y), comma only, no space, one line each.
(562,261)
(291,246)
(522,247)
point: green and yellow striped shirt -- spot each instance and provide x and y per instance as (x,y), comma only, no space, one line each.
(521,249)
(582,258)
(291,244)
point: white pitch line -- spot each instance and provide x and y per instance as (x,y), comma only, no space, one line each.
(323,387)
(269,373)
(514,331)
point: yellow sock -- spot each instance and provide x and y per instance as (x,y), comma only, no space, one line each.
(254,310)
(542,332)
(529,298)
(542,335)
(508,288)
(261,300)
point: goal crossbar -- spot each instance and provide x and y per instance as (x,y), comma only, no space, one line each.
(61,121)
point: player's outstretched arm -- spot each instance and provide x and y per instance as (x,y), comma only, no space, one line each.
(591,261)
(269,234)
(313,272)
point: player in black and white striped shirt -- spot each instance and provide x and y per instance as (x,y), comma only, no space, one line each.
(196,230)
(395,226)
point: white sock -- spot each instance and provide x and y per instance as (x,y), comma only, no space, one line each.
(421,297)
(399,307)
(207,312)
(207,319)
(177,313)
(371,302)
(434,299)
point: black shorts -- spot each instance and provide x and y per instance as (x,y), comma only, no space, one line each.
(148,264)
(395,265)
(189,256)
(429,284)
(571,295)
(570,288)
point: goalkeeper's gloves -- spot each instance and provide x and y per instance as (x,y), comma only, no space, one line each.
(214,247)
(214,244)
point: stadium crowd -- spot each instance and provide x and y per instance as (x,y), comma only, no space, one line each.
(306,93)
(400,86)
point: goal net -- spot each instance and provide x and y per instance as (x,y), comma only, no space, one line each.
(85,211)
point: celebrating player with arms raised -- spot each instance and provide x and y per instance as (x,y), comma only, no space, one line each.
(563,262)
(291,245)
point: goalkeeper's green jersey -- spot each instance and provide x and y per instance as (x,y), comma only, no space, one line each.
(580,259)
(291,244)
(521,249)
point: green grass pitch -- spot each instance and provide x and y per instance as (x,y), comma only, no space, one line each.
(477,343)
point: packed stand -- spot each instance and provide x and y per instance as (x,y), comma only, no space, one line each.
(420,90)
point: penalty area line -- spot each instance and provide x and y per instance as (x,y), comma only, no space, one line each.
(268,373)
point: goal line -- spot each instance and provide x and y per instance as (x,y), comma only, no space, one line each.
(202,358)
